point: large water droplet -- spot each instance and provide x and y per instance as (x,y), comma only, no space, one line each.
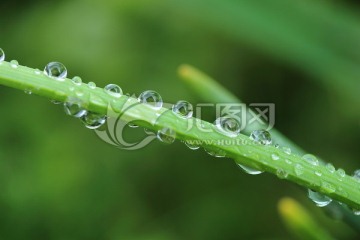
(74,107)
(228,126)
(2,55)
(299,169)
(340,173)
(183,109)
(93,120)
(151,98)
(249,170)
(77,80)
(113,90)
(311,159)
(56,70)
(330,167)
(91,85)
(261,136)
(281,173)
(166,135)
(14,63)
(319,199)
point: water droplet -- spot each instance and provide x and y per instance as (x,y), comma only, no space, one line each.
(2,55)
(261,136)
(74,107)
(77,80)
(276,145)
(56,70)
(288,161)
(215,153)
(299,169)
(319,199)
(228,126)
(318,173)
(91,85)
(191,145)
(28,91)
(356,174)
(14,63)
(311,159)
(356,212)
(183,109)
(151,98)
(37,71)
(340,173)
(55,102)
(249,170)
(93,120)
(281,173)
(275,157)
(166,135)
(287,150)
(113,90)
(330,167)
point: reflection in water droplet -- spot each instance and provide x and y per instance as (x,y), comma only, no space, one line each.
(77,80)
(299,169)
(14,63)
(166,135)
(93,120)
(91,85)
(311,159)
(74,107)
(249,170)
(113,90)
(151,98)
(261,136)
(330,167)
(228,126)
(56,70)
(319,199)
(183,109)
(2,55)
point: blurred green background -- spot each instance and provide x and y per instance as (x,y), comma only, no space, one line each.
(58,180)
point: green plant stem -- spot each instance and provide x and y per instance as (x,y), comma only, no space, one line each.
(244,152)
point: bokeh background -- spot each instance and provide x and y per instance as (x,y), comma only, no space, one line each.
(58,180)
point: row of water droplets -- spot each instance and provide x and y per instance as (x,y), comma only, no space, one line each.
(227,125)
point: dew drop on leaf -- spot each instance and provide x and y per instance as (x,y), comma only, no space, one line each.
(91,85)
(261,136)
(183,109)
(151,98)
(330,167)
(14,63)
(77,80)
(319,199)
(281,173)
(311,159)
(228,126)
(275,157)
(249,170)
(93,120)
(299,169)
(56,70)
(74,107)
(287,150)
(166,135)
(113,90)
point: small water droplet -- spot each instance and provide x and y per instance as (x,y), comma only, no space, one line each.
(249,170)
(299,169)
(37,71)
(319,199)
(275,157)
(55,102)
(276,145)
(91,85)
(228,126)
(113,90)
(261,136)
(340,173)
(14,63)
(356,212)
(93,120)
(287,150)
(56,70)
(166,135)
(281,173)
(151,98)
(183,109)
(28,91)
(74,107)
(318,173)
(356,175)
(2,55)
(327,187)
(288,161)
(311,159)
(215,153)
(77,80)
(191,145)
(330,167)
